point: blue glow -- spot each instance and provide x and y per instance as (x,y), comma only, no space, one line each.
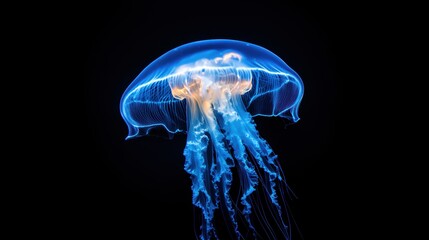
(210,90)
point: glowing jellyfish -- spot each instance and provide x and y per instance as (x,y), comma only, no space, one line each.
(210,90)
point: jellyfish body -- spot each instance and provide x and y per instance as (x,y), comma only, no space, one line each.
(210,90)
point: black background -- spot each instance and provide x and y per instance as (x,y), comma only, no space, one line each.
(139,188)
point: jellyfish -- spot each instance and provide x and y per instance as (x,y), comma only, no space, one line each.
(210,90)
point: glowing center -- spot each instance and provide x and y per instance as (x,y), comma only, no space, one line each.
(208,80)
(200,87)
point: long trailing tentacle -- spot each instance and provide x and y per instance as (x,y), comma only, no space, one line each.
(196,165)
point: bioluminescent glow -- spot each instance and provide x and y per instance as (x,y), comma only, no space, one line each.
(210,90)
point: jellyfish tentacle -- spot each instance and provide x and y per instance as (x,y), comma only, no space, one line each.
(224,162)
(231,123)
(243,136)
(196,165)
(205,130)
(249,178)
(266,159)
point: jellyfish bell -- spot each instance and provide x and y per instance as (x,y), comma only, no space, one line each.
(145,102)
(210,90)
